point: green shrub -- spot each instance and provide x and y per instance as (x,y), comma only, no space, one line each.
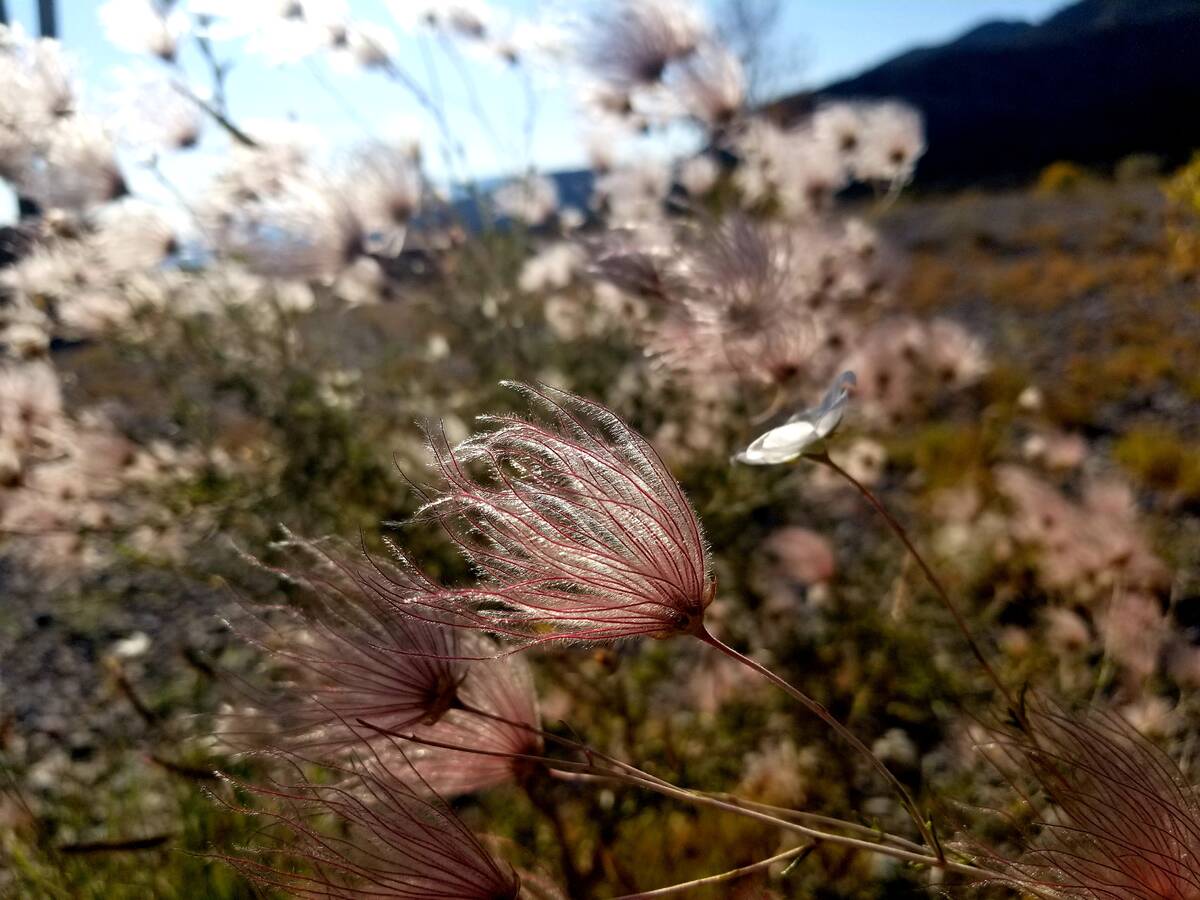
(1062,177)
(1161,459)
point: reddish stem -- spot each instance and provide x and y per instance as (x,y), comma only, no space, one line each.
(829,719)
(938,588)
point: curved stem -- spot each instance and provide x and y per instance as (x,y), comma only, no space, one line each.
(732,803)
(553,815)
(216,115)
(829,719)
(585,749)
(668,790)
(933,580)
(732,799)
(842,840)
(731,875)
(799,815)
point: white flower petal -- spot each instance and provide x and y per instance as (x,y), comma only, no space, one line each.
(803,430)
(779,445)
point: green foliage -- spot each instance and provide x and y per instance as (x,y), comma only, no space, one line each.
(1162,460)
(1062,177)
(1138,167)
(1183,223)
(1184,186)
(945,453)
(86,849)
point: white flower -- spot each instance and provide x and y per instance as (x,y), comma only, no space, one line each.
(468,19)
(25,340)
(897,746)
(893,141)
(151,113)
(362,283)
(77,170)
(635,194)
(386,187)
(711,85)
(140,26)
(133,236)
(50,272)
(571,218)
(626,43)
(797,166)
(228,20)
(1030,399)
(698,175)
(31,406)
(371,46)
(304,229)
(602,142)
(840,125)
(543,44)
(532,199)
(134,645)
(803,431)
(552,268)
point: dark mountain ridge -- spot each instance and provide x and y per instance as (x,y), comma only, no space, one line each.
(1093,83)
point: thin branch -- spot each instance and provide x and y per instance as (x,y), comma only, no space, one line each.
(797,853)
(120,846)
(216,115)
(845,733)
(799,815)
(130,693)
(938,587)
(191,773)
(677,793)
(218,70)
(587,751)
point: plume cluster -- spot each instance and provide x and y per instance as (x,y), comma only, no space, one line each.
(1120,818)
(391,839)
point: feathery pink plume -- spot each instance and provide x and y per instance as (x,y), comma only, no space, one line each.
(392,840)
(576,527)
(1125,822)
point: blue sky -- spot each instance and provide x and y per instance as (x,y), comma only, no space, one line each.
(820,39)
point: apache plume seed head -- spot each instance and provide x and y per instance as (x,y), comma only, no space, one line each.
(630,43)
(576,527)
(386,185)
(394,840)
(738,298)
(345,654)
(712,85)
(496,723)
(1126,823)
(356,670)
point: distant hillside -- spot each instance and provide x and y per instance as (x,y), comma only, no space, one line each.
(1097,81)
